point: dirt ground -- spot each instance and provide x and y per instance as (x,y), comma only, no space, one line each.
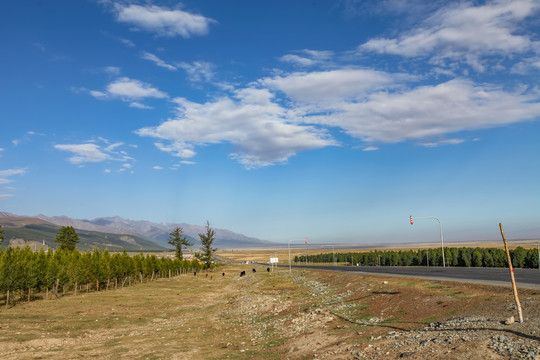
(276,315)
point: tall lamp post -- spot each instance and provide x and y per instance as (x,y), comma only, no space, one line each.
(440,227)
(290,268)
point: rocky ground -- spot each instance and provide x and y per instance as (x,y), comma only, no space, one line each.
(367,318)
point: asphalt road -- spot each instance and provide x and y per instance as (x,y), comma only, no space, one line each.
(525,278)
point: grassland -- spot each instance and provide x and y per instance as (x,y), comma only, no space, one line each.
(264,315)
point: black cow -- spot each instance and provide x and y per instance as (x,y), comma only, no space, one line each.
(254,270)
(267,269)
(243,273)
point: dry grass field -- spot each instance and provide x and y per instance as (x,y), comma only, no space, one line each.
(271,315)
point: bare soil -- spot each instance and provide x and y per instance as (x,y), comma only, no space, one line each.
(276,315)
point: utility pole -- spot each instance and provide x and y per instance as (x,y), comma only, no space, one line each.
(538,248)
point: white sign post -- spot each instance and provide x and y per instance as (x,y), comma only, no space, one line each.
(273,261)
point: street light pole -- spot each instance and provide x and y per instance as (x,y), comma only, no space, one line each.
(440,227)
(290,268)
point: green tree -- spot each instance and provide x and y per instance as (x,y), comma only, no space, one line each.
(1,235)
(477,257)
(67,238)
(177,239)
(207,251)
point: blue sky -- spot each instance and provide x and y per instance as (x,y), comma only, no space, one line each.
(334,120)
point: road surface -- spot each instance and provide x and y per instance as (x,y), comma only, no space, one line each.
(525,278)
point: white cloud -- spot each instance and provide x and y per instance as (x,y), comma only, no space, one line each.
(437,143)
(98,94)
(198,71)
(115,70)
(133,89)
(128,90)
(157,61)
(464,32)
(5,196)
(370,148)
(526,66)
(332,86)
(5,175)
(84,153)
(91,152)
(138,105)
(430,111)
(308,57)
(250,121)
(157,167)
(15,142)
(292,113)
(127,42)
(163,21)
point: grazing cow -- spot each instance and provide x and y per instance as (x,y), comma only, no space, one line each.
(267,269)
(222,274)
(194,273)
(254,270)
(243,273)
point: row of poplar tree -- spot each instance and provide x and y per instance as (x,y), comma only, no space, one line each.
(27,272)
(465,256)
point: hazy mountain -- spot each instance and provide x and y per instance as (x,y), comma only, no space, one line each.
(155,232)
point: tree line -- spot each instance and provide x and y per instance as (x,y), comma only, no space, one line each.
(464,256)
(55,272)
(27,272)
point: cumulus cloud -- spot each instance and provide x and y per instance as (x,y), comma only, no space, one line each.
(257,128)
(277,117)
(151,57)
(334,85)
(133,89)
(128,90)
(163,21)
(464,31)
(430,111)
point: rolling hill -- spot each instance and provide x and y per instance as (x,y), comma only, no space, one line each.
(116,232)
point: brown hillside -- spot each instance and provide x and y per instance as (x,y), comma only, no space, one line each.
(20,221)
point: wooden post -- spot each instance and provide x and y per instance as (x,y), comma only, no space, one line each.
(514,287)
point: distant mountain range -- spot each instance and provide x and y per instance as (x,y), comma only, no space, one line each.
(117,232)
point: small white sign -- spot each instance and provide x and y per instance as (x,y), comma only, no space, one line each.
(273,260)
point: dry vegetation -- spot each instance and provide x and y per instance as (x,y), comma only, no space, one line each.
(280,315)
